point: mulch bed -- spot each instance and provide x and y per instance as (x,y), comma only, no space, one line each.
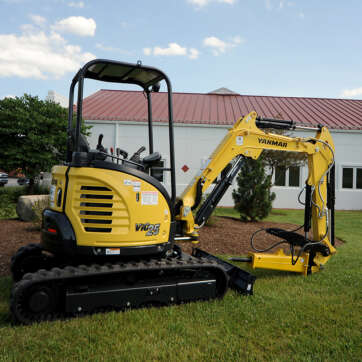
(225,236)
(230,236)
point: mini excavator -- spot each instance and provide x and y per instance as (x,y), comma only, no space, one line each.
(109,237)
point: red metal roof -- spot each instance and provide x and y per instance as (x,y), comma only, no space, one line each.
(216,109)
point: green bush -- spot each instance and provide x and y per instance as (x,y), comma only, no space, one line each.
(252,198)
(38,209)
(11,194)
(9,197)
(7,206)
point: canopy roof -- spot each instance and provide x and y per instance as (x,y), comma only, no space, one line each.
(112,71)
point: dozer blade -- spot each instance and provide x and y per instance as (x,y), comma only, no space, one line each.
(240,280)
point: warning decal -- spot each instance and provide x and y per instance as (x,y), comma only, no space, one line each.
(149,198)
(113,251)
(239,140)
(136,185)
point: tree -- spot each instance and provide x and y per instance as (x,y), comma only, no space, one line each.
(252,197)
(33,135)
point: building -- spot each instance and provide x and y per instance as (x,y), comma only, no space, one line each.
(201,121)
(57,98)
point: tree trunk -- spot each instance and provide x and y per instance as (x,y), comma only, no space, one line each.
(31,186)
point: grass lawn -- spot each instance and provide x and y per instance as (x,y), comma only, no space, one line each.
(290,317)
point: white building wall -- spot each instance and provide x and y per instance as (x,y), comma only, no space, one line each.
(57,98)
(195,143)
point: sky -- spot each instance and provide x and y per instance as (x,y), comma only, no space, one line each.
(302,48)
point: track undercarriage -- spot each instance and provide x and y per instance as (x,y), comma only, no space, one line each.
(65,291)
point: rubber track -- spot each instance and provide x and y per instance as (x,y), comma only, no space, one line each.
(31,249)
(84,272)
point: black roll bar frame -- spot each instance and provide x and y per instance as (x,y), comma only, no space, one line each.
(85,72)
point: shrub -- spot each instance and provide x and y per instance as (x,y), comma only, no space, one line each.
(9,197)
(252,197)
(7,206)
(38,209)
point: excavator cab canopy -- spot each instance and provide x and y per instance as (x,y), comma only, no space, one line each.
(148,78)
(116,72)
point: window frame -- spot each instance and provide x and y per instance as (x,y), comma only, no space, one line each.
(287,179)
(354,167)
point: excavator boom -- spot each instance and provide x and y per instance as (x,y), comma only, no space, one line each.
(249,136)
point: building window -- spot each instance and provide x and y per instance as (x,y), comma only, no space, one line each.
(157,170)
(287,177)
(352,177)
(359,178)
(294,176)
(280,173)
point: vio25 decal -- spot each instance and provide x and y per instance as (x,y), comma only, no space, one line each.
(151,229)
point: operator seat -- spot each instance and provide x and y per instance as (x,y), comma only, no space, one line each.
(151,159)
(147,162)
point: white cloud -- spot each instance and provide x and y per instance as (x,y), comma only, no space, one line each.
(76,25)
(28,28)
(219,46)
(202,3)
(79,4)
(216,44)
(8,96)
(301,15)
(37,22)
(173,49)
(193,53)
(37,19)
(147,51)
(352,93)
(268,4)
(236,40)
(39,55)
(199,3)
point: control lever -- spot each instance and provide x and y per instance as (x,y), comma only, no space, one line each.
(136,156)
(121,152)
(99,146)
(117,154)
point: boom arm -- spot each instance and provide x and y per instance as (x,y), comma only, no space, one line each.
(247,139)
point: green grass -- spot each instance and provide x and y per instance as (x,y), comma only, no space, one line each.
(290,317)
(277,215)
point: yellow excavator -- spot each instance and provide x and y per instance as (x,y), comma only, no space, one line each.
(110,234)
